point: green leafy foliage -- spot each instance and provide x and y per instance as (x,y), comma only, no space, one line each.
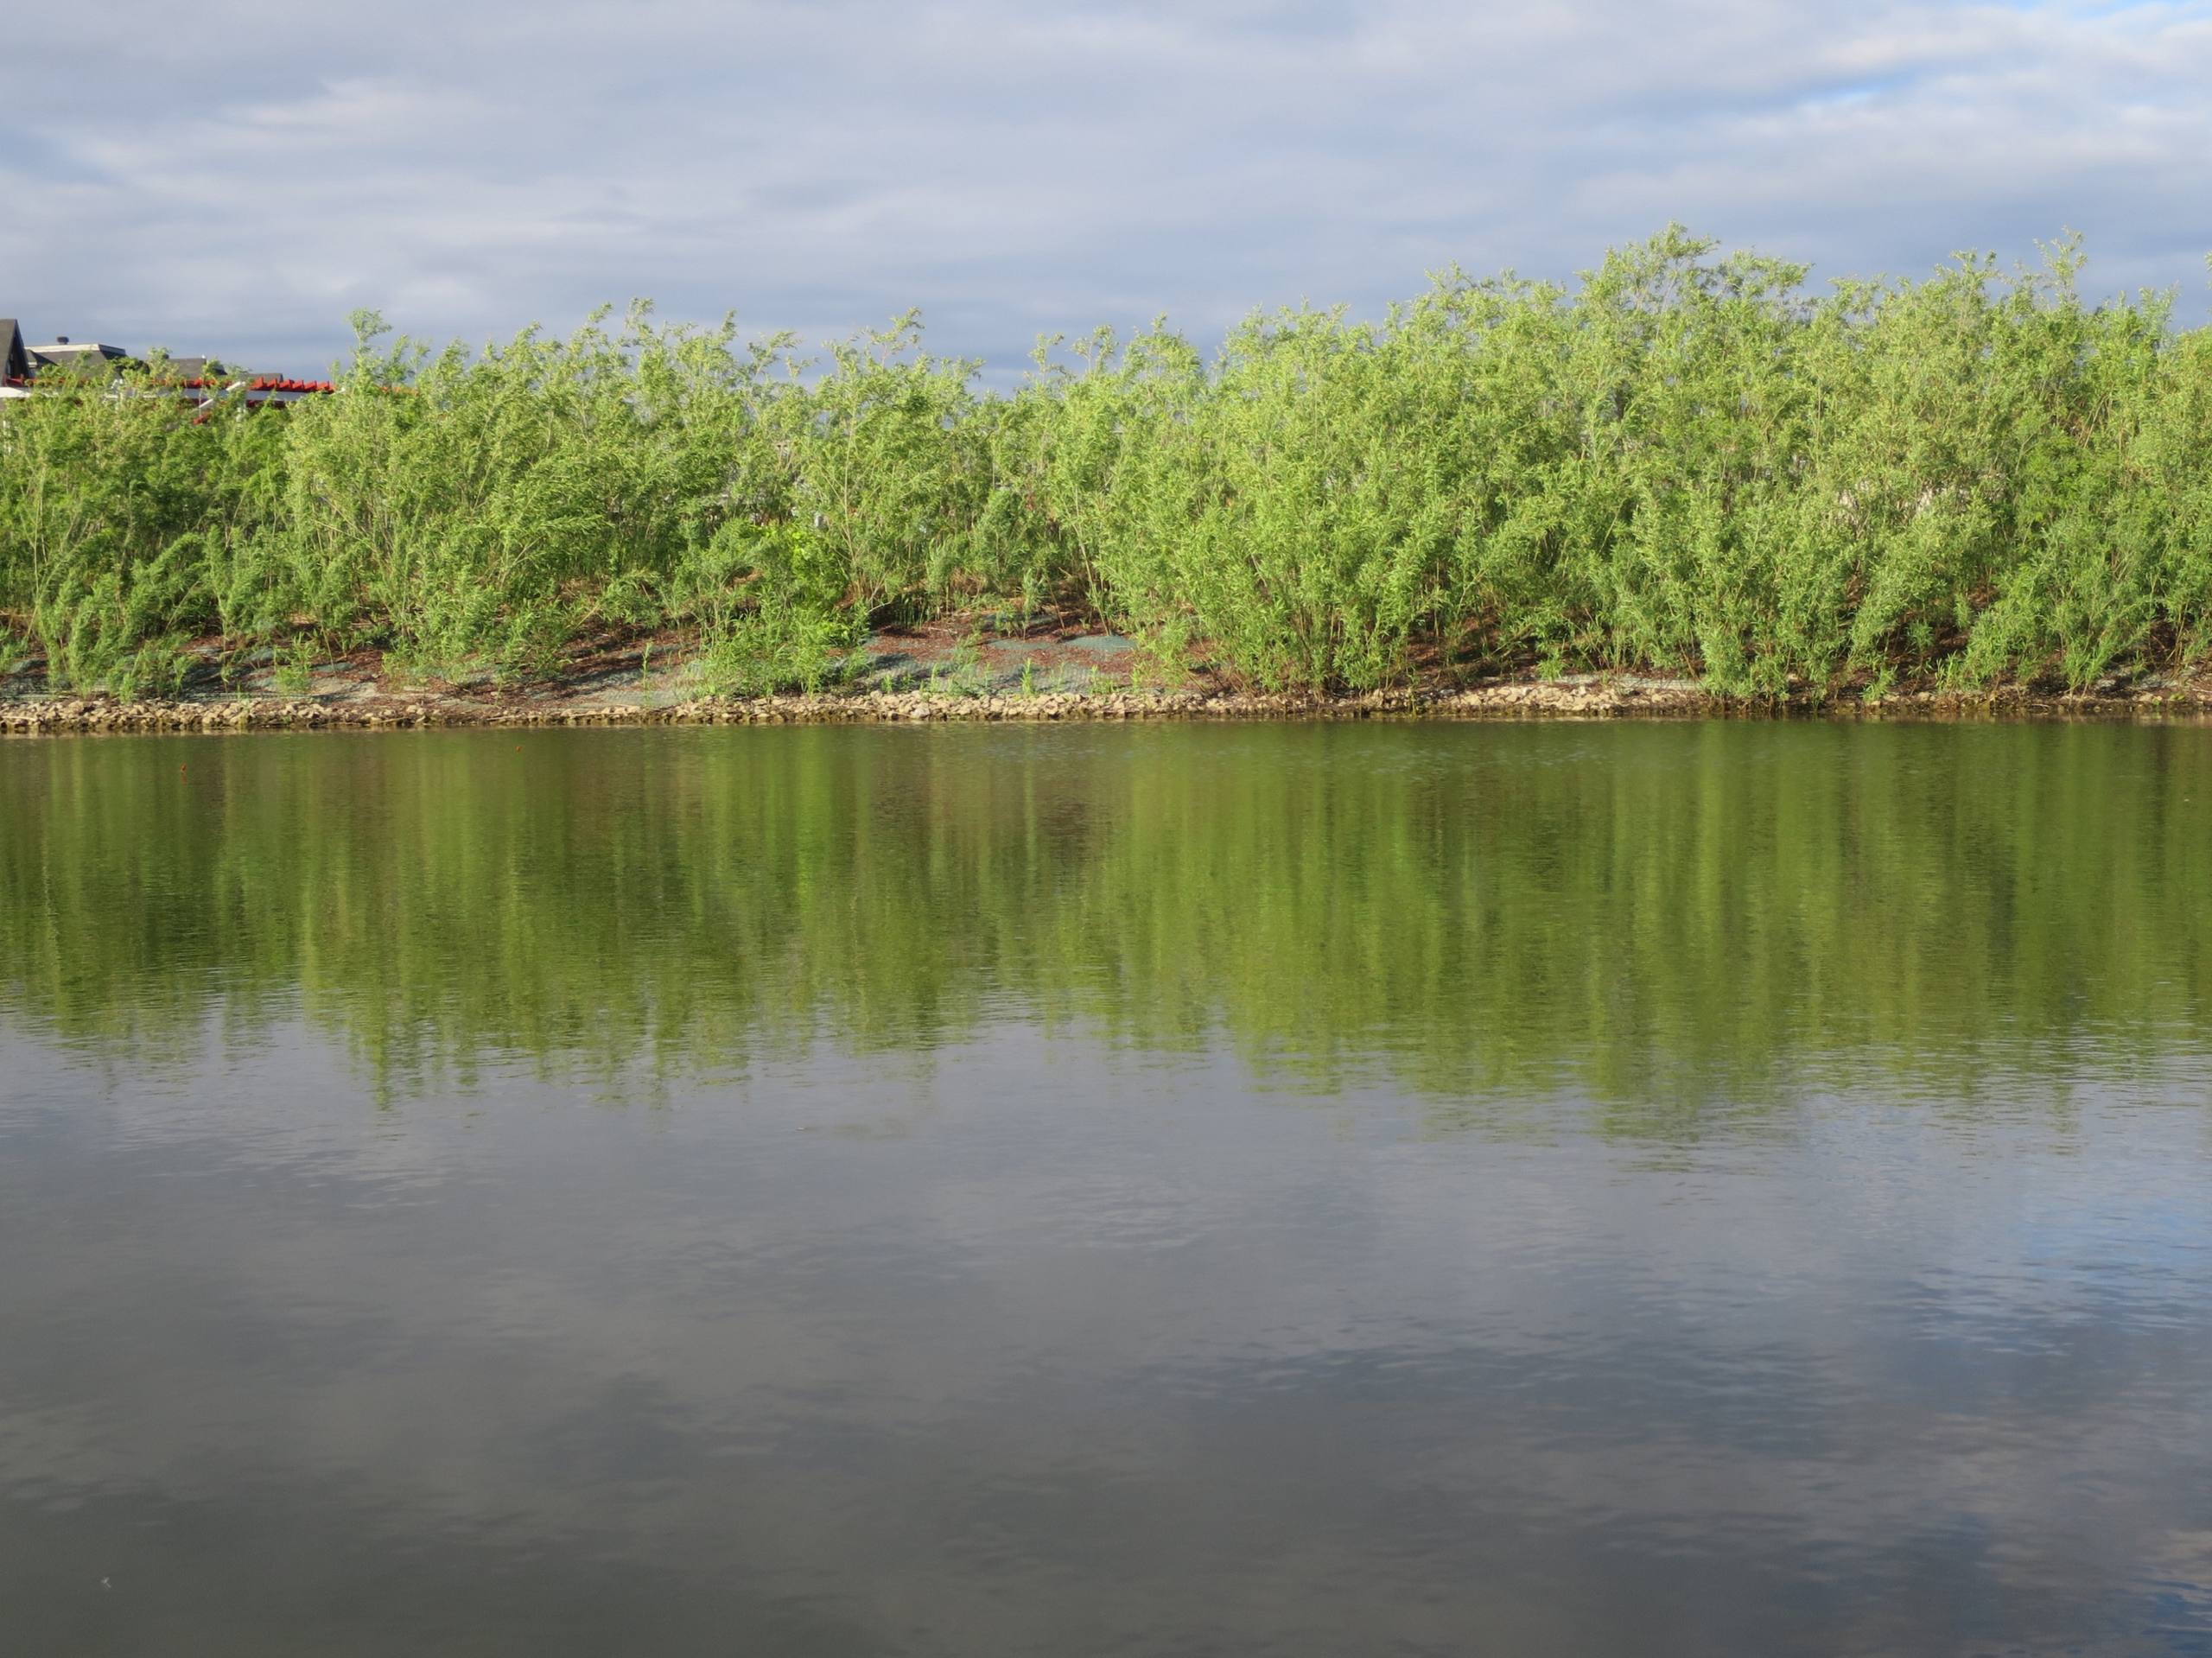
(1688,463)
(767,606)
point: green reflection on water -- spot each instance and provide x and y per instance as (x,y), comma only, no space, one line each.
(1660,917)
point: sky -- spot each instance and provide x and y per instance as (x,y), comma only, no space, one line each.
(237,175)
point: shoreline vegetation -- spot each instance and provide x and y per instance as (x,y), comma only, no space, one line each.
(1688,483)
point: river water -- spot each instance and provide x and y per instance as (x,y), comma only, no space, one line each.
(1293,1189)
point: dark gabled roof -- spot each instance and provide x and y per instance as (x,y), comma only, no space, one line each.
(14,361)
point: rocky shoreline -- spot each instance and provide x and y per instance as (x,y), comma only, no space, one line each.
(1585,697)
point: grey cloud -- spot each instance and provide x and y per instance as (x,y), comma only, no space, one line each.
(242,173)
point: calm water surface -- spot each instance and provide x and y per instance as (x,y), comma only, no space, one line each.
(1693,1189)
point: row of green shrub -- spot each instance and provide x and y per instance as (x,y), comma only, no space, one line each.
(1687,464)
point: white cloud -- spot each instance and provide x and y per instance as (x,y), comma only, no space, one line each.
(241,174)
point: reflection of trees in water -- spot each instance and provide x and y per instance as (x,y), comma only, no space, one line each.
(1658,916)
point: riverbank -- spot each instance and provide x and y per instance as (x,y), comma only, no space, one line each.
(1582,696)
(966,670)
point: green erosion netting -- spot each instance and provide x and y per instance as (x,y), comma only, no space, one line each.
(1688,464)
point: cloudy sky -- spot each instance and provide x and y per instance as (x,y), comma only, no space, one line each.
(237,175)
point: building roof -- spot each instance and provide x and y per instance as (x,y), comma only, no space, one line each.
(91,360)
(256,383)
(212,368)
(66,353)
